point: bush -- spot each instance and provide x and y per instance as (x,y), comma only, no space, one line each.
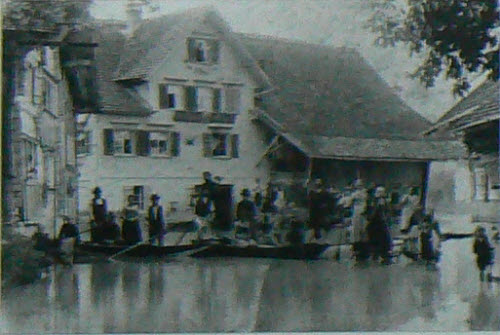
(21,263)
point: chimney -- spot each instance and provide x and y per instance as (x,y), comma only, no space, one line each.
(134,15)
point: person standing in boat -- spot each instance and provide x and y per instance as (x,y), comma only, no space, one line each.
(429,241)
(318,210)
(378,229)
(203,211)
(156,221)
(410,203)
(69,230)
(411,237)
(358,223)
(484,252)
(209,186)
(131,230)
(246,213)
(99,215)
(112,230)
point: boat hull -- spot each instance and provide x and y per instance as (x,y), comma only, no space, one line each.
(306,251)
(143,250)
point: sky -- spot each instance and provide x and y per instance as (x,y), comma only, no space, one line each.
(333,22)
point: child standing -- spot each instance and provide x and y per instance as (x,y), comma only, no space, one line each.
(483,251)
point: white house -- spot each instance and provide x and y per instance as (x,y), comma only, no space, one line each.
(174,101)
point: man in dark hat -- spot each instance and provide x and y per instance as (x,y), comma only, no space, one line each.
(246,212)
(156,221)
(209,185)
(99,213)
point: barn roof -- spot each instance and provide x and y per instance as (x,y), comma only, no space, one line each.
(330,103)
(480,106)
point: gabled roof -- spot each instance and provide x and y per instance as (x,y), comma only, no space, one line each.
(330,102)
(480,106)
(114,98)
(152,41)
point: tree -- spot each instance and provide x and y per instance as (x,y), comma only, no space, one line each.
(459,37)
(44,14)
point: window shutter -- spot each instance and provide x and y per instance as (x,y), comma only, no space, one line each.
(214,52)
(234,146)
(191,99)
(191,49)
(176,144)
(163,95)
(142,143)
(232,95)
(207,145)
(216,102)
(109,148)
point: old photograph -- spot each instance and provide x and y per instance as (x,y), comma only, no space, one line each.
(180,166)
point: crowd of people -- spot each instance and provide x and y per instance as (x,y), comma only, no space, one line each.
(371,215)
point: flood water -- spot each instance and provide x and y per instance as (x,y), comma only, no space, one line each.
(227,295)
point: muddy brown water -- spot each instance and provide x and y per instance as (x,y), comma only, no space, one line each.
(227,295)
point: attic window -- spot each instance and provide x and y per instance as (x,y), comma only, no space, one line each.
(201,50)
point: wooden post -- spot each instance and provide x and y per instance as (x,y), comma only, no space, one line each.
(425,185)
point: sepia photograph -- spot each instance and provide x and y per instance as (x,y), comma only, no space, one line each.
(246,166)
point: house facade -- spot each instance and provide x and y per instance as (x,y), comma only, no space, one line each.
(39,177)
(169,113)
(183,94)
(474,120)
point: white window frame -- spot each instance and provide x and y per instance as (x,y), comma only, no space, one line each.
(157,136)
(226,144)
(117,145)
(209,91)
(208,48)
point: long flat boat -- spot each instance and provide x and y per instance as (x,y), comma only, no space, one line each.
(304,251)
(141,250)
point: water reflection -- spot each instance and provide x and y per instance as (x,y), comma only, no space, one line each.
(224,295)
(485,309)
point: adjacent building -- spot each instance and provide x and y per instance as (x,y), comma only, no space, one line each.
(39,173)
(183,94)
(475,120)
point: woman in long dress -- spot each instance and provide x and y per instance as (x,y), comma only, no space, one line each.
(410,204)
(131,230)
(358,234)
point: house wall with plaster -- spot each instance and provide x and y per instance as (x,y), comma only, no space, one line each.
(174,175)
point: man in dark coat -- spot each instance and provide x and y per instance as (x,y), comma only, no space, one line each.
(318,208)
(209,186)
(156,221)
(69,230)
(246,212)
(99,214)
(378,229)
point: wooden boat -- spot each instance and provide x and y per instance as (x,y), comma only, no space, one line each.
(304,251)
(89,250)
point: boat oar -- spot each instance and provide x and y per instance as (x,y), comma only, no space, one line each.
(181,238)
(127,249)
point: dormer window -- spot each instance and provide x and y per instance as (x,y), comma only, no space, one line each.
(168,95)
(203,50)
